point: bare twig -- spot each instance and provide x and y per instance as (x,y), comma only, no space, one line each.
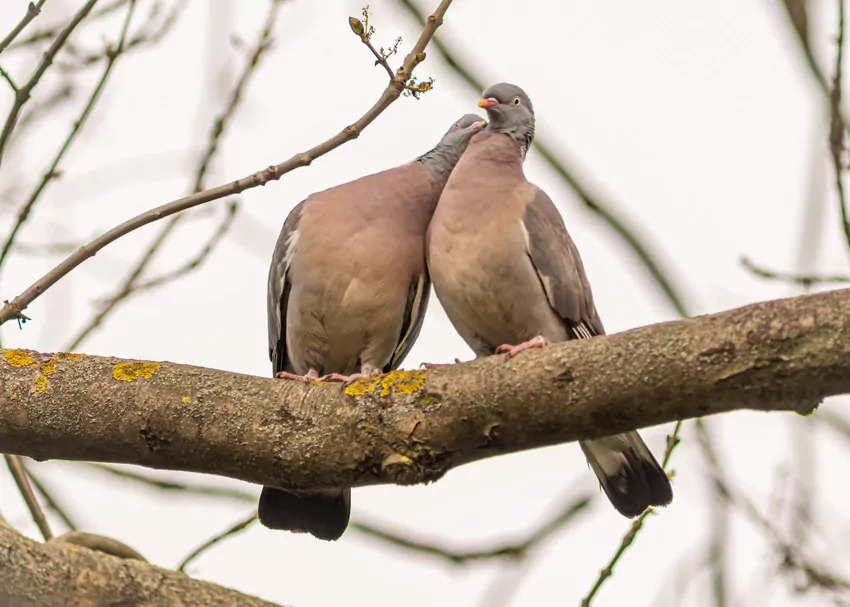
(52,171)
(33,9)
(805,280)
(798,16)
(720,516)
(51,32)
(814,575)
(164,485)
(364,31)
(49,498)
(21,480)
(241,525)
(591,200)
(129,286)
(149,34)
(196,262)
(631,534)
(515,550)
(836,128)
(15,308)
(22,95)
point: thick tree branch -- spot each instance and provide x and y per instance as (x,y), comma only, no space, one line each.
(413,426)
(57,574)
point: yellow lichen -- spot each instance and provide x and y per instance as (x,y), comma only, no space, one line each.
(14,395)
(363,386)
(18,358)
(49,367)
(40,383)
(71,356)
(185,400)
(134,371)
(403,382)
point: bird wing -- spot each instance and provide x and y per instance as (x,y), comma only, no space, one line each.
(559,267)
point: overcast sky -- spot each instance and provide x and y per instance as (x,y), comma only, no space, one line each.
(698,122)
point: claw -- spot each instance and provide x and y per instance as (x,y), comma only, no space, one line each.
(537,342)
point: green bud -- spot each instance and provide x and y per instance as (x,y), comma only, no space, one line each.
(356,25)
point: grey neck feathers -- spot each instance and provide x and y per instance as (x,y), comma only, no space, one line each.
(442,159)
(523,135)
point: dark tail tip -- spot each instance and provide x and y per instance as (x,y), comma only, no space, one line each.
(323,515)
(629,474)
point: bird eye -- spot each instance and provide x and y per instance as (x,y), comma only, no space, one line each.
(455,126)
(516,101)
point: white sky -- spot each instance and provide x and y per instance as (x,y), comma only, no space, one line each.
(699,121)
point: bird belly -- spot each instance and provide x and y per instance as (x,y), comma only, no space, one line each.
(490,296)
(339,331)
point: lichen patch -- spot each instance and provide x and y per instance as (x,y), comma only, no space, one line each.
(18,358)
(133,371)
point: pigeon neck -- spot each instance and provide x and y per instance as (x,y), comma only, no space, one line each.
(522,134)
(442,159)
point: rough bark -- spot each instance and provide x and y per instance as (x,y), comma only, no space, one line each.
(59,574)
(412,426)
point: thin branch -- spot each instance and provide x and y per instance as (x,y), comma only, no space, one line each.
(21,480)
(364,31)
(33,9)
(52,172)
(199,259)
(14,309)
(631,534)
(51,32)
(798,16)
(22,95)
(513,550)
(240,526)
(594,202)
(836,128)
(129,285)
(719,515)
(814,575)
(149,33)
(49,498)
(172,486)
(805,280)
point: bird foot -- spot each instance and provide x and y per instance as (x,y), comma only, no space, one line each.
(310,376)
(432,365)
(537,342)
(348,379)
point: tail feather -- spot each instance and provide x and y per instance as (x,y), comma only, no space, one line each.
(323,515)
(628,472)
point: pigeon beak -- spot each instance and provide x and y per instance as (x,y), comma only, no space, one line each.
(488,103)
(479,125)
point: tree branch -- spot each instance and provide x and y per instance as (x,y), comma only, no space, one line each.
(22,95)
(410,427)
(57,574)
(33,10)
(53,170)
(13,310)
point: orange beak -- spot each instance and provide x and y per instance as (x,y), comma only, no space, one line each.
(479,125)
(488,103)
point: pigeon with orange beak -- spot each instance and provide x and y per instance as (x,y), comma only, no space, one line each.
(510,277)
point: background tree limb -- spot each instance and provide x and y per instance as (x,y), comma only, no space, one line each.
(56,574)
